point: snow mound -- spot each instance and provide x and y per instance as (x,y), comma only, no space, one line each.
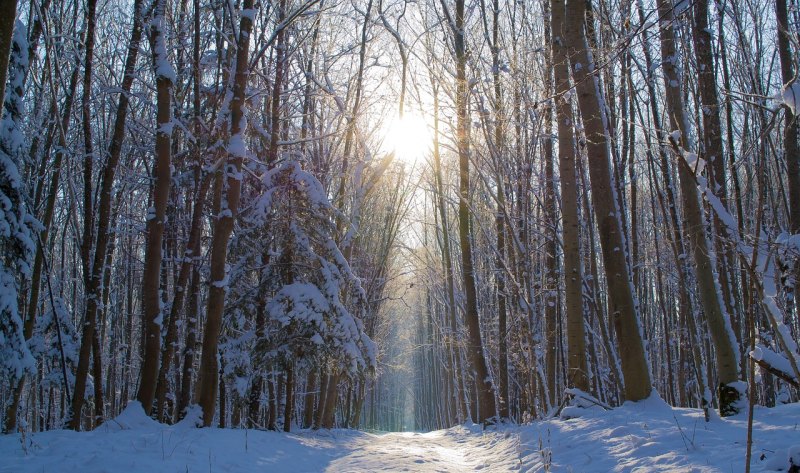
(192,419)
(132,417)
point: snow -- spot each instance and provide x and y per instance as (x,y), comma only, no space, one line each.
(134,443)
(647,436)
(773,359)
(790,93)
(650,436)
(237,146)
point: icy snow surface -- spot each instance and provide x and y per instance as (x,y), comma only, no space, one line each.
(645,437)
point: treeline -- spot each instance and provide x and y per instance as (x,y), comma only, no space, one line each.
(193,213)
(198,209)
(628,198)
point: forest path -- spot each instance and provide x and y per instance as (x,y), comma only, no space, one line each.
(456,450)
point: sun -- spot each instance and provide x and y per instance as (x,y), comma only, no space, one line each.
(408,137)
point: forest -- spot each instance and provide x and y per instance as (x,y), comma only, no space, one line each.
(396,215)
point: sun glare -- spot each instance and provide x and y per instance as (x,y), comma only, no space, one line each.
(409,137)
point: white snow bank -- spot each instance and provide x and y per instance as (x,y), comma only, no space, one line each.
(132,418)
(650,436)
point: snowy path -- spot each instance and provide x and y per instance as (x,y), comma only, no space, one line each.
(455,450)
(134,443)
(643,437)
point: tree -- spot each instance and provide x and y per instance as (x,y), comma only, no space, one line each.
(317,307)
(483,381)
(573,272)
(17,227)
(151,279)
(227,191)
(708,286)
(622,305)
(8,13)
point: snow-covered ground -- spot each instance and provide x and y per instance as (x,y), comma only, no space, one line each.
(651,436)
(646,436)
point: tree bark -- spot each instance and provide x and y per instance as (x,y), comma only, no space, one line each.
(718,325)
(92,275)
(225,213)
(151,279)
(623,309)
(484,385)
(790,130)
(8,15)
(573,272)
(308,407)
(289,408)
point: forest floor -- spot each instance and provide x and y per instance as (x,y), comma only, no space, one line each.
(646,436)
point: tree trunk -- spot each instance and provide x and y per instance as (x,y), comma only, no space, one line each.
(92,275)
(447,260)
(8,16)
(151,279)
(484,384)
(573,272)
(718,324)
(623,309)
(289,409)
(792,148)
(329,411)
(225,213)
(308,407)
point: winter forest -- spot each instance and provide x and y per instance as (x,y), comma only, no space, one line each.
(338,218)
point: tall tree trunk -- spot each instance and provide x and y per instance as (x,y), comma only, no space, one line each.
(718,324)
(484,384)
(103,218)
(451,325)
(92,278)
(712,150)
(500,277)
(790,133)
(8,15)
(623,309)
(151,279)
(225,212)
(573,272)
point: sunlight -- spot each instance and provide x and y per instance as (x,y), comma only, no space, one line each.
(409,137)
